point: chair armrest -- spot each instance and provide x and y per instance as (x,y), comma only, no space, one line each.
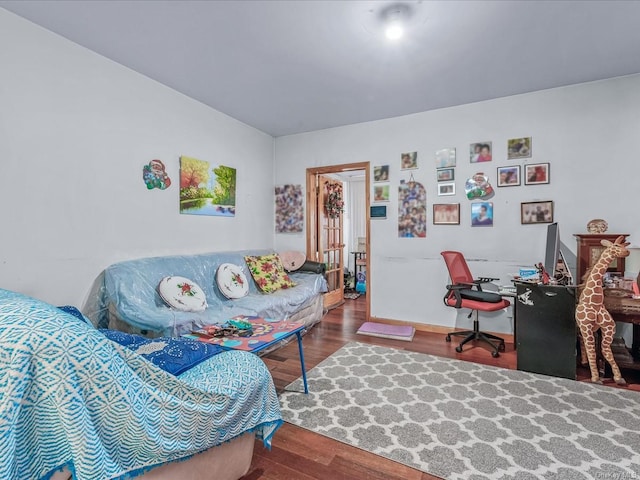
(461,286)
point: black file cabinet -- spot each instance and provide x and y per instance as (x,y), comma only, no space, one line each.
(546,329)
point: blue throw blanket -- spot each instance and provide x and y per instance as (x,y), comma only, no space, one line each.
(70,397)
(173,355)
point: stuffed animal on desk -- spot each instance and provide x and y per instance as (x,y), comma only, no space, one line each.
(591,315)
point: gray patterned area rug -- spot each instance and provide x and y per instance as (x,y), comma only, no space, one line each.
(462,420)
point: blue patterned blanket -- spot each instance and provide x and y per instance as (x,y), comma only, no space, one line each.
(70,397)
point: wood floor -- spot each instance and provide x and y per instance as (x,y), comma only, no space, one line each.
(298,454)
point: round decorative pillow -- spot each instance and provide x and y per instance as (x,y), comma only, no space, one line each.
(292,260)
(232,281)
(182,294)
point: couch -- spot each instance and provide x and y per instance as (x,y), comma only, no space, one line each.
(77,404)
(127,298)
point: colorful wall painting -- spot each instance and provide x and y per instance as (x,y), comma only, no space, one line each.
(412,210)
(289,209)
(207,189)
(155,176)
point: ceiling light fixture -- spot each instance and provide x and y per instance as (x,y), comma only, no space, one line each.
(394,18)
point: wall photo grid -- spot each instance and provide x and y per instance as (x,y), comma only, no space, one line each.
(412,194)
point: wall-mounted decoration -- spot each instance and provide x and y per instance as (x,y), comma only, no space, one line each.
(445,174)
(381,193)
(334,202)
(448,188)
(479,187)
(519,148)
(155,176)
(446,157)
(536,174)
(409,160)
(381,173)
(480,152)
(412,210)
(509,176)
(207,190)
(446,214)
(376,211)
(482,214)
(536,212)
(289,209)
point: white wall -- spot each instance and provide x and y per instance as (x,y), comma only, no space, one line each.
(75,131)
(588,133)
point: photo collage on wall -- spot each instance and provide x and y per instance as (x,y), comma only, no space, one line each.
(478,187)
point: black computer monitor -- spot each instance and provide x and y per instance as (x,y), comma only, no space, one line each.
(552,252)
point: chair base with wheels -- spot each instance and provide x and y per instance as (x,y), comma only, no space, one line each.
(495,342)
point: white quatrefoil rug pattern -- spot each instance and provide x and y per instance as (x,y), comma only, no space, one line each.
(465,421)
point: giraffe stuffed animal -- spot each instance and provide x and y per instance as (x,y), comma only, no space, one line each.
(591,315)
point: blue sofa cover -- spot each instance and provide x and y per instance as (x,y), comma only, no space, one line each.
(130,294)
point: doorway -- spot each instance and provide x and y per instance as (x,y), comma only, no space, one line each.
(325,227)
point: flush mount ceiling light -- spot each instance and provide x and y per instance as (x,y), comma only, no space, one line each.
(395,18)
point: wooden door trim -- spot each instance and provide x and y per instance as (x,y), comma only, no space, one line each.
(311,220)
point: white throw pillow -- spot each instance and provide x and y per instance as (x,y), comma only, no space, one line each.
(182,294)
(232,281)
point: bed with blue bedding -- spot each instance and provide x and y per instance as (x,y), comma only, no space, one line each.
(72,398)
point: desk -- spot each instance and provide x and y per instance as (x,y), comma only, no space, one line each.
(546,333)
(626,310)
(359,262)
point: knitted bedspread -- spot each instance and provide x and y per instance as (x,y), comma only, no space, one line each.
(71,397)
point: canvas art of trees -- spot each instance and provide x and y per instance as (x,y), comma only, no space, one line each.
(206,190)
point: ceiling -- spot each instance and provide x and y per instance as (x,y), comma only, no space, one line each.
(287,67)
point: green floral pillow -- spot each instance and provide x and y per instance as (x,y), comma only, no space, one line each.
(268,272)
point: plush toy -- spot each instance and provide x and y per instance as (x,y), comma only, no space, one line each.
(591,315)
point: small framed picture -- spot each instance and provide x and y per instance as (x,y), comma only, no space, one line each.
(381,173)
(445,174)
(482,214)
(446,157)
(409,160)
(536,174)
(381,193)
(480,152)
(519,148)
(446,214)
(509,176)
(536,212)
(448,188)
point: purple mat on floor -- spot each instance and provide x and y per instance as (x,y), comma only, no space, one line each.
(396,332)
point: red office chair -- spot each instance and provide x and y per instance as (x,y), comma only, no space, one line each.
(465,292)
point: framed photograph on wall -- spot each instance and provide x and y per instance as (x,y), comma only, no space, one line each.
(509,176)
(482,214)
(446,214)
(536,212)
(445,174)
(480,152)
(519,148)
(446,157)
(409,161)
(536,174)
(381,193)
(448,188)
(381,173)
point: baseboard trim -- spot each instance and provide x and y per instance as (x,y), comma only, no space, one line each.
(425,327)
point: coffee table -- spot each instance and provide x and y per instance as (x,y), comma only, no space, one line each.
(266,332)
